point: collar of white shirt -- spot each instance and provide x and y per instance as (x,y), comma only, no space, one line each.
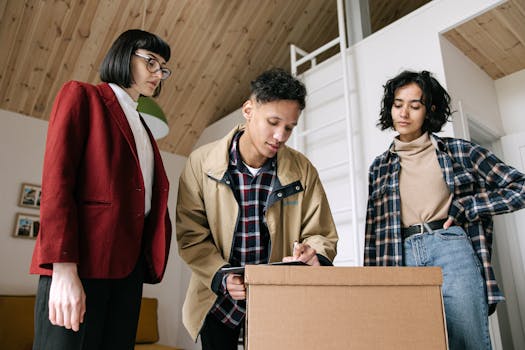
(124,98)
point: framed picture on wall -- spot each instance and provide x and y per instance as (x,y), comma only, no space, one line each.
(30,196)
(26,225)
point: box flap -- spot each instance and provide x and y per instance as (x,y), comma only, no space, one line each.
(342,276)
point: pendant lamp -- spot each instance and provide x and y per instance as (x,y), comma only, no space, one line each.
(153,116)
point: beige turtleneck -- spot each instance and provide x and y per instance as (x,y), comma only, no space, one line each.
(424,194)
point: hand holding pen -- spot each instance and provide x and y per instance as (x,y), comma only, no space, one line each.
(304,253)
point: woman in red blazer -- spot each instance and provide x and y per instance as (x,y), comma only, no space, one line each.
(105,228)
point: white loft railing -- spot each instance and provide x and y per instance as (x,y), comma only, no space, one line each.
(300,57)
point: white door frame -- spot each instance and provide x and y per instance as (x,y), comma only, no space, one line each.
(472,128)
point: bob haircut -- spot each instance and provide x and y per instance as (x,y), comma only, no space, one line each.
(277,84)
(116,66)
(435,98)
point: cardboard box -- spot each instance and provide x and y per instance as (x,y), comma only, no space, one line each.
(295,307)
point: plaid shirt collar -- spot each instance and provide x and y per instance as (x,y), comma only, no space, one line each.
(236,160)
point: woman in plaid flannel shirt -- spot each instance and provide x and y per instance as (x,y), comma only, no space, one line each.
(431,201)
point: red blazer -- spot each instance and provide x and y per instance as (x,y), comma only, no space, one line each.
(92,205)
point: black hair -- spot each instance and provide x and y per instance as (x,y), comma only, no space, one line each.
(277,84)
(435,98)
(116,66)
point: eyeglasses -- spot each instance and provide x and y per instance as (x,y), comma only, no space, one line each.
(154,66)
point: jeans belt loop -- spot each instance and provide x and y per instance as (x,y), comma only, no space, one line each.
(427,226)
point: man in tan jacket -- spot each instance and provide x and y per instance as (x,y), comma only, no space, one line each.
(245,199)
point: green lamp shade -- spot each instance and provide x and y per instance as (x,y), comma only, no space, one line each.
(153,116)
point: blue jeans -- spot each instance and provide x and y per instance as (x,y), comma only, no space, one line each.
(463,284)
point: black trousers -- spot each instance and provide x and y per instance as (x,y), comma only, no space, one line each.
(215,335)
(110,322)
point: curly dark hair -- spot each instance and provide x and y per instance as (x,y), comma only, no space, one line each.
(277,84)
(435,98)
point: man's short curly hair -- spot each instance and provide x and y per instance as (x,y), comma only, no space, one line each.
(435,98)
(277,84)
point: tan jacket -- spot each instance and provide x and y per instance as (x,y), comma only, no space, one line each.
(207,213)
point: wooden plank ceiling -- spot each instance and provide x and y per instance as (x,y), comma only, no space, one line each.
(494,40)
(218,47)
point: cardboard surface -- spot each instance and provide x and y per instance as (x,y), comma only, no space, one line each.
(295,307)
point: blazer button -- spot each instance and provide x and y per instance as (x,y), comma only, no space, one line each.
(297,188)
(139,189)
(279,194)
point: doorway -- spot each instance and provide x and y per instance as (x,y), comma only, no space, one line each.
(506,325)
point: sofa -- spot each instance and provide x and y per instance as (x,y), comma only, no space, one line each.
(17,317)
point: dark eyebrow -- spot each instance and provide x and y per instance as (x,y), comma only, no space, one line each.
(279,118)
(158,59)
(411,101)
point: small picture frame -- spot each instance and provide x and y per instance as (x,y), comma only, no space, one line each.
(30,196)
(27,225)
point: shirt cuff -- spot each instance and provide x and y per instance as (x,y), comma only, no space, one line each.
(324,261)
(218,283)
(457,211)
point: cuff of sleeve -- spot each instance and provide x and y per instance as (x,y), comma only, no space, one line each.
(218,283)
(324,261)
(457,212)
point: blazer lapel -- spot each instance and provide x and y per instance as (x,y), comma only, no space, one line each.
(159,173)
(118,116)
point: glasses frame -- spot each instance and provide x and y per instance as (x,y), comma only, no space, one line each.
(166,72)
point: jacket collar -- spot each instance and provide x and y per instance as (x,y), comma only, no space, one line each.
(438,142)
(217,160)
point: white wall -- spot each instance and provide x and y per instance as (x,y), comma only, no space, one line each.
(473,92)
(220,128)
(21,157)
(511,95)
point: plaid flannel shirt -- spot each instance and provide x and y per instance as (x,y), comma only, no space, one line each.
(482,186)
(251,240)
